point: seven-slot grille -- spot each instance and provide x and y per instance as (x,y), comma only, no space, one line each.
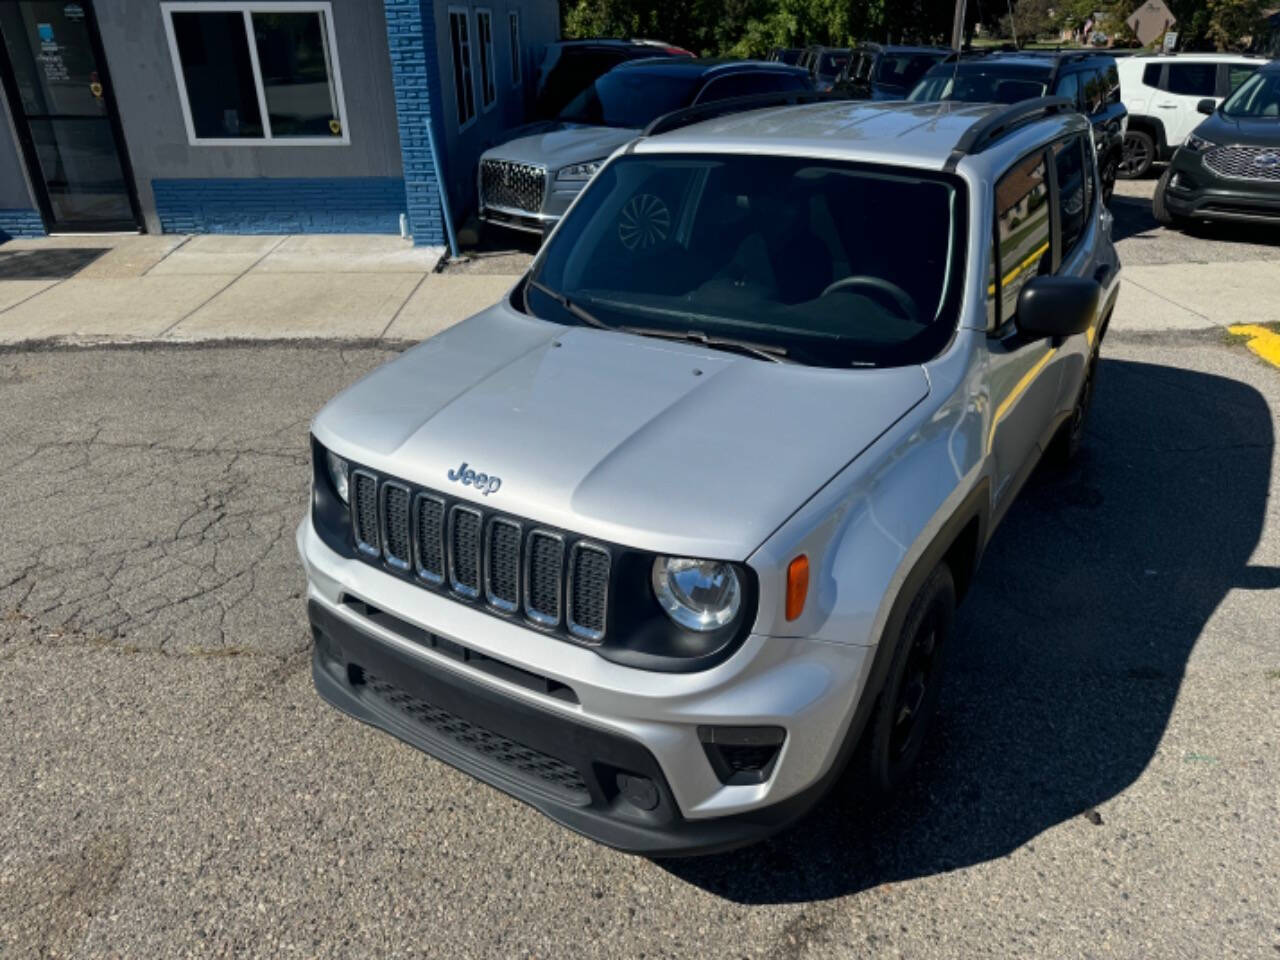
(556,580)
(1242,163)
(516,186)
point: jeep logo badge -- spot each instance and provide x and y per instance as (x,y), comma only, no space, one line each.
(469,478)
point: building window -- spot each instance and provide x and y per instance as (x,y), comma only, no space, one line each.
(484,34)
(257,73)
(463,82)
(513,23)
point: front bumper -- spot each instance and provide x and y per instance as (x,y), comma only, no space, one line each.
(1196,192)
(609,751)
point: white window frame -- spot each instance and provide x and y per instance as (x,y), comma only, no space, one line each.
(517,54)
(247,9)
(465,13)
(488,68)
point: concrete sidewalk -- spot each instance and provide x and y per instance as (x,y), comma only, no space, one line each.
(230,287)
(377,287)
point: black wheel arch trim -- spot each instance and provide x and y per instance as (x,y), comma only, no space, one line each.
(1155,127)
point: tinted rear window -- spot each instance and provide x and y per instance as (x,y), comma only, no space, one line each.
(630,98)
(1193,79)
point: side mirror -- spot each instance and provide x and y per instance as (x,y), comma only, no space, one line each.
(1058,306)
(1207,106)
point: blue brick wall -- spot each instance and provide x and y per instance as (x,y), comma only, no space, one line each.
(280,205)
(20,223)
(411,39)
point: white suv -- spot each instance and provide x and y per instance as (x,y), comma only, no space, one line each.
(1161,92)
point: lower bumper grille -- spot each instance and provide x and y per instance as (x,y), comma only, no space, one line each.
(521,759)
(516,186)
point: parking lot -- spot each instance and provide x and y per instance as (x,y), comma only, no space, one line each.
(1102,782)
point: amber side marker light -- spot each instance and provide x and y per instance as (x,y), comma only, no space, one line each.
(797,586)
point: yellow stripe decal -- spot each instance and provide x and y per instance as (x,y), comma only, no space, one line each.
(1017,391)
(1265,343)
(1039,252)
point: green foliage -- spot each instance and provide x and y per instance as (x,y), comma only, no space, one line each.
(751,28)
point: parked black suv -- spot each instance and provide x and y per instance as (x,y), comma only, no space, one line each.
(1090,79)
(824,65)
(1229,168)
(882,72)
(569,66)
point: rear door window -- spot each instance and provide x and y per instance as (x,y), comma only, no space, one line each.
(1193,79)
(1238,73)
(1151,75)
(1073,198)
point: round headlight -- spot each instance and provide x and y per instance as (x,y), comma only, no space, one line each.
(337,474)
(700,595)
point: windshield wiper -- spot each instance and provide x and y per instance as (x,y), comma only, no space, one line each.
(586,316)
(760,350)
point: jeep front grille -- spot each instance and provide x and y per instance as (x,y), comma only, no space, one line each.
(1242,163)
(558,581)
(514,186)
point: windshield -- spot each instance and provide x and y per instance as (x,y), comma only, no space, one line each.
(1259,96)
(830,64)
(629,98)
(904,69)
(837,264)
(982,83)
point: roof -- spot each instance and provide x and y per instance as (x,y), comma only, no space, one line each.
(913,134)
(689,67)
(901,48)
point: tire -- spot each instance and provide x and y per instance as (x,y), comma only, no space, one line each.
(1139,154)
(1158,208)
(894,738)
(1069,439)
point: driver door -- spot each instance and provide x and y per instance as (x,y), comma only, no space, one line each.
(1023,384)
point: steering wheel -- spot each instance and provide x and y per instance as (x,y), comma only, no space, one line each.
(892,291)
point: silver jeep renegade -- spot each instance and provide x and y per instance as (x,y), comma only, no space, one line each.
(657,541)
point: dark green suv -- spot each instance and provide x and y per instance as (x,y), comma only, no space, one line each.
(1229,168)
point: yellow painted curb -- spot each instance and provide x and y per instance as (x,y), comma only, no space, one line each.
(1265,343)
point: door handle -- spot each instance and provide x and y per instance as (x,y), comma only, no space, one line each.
(1167,106)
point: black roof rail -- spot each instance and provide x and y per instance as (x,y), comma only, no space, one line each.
(719,108)
(990,128)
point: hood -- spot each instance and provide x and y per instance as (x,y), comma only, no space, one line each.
(554,144)
(661,446)
(1241,131)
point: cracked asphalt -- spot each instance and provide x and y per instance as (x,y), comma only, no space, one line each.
(1104,779)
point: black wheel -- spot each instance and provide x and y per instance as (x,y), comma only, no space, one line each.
(1139,153)
(1158,208)
(900,720)
(1070,437)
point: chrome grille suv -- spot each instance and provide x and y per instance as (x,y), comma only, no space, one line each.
(513,186)
(1245,163)
(507,565)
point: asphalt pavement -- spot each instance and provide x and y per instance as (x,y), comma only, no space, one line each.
(1103,781)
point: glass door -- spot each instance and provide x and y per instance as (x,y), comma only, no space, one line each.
(59,94)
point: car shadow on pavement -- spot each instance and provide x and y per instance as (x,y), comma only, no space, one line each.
(1068,652)
(54,264)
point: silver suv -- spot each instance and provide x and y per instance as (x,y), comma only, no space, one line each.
(655,542)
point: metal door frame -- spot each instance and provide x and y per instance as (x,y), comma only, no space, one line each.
(35,176)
